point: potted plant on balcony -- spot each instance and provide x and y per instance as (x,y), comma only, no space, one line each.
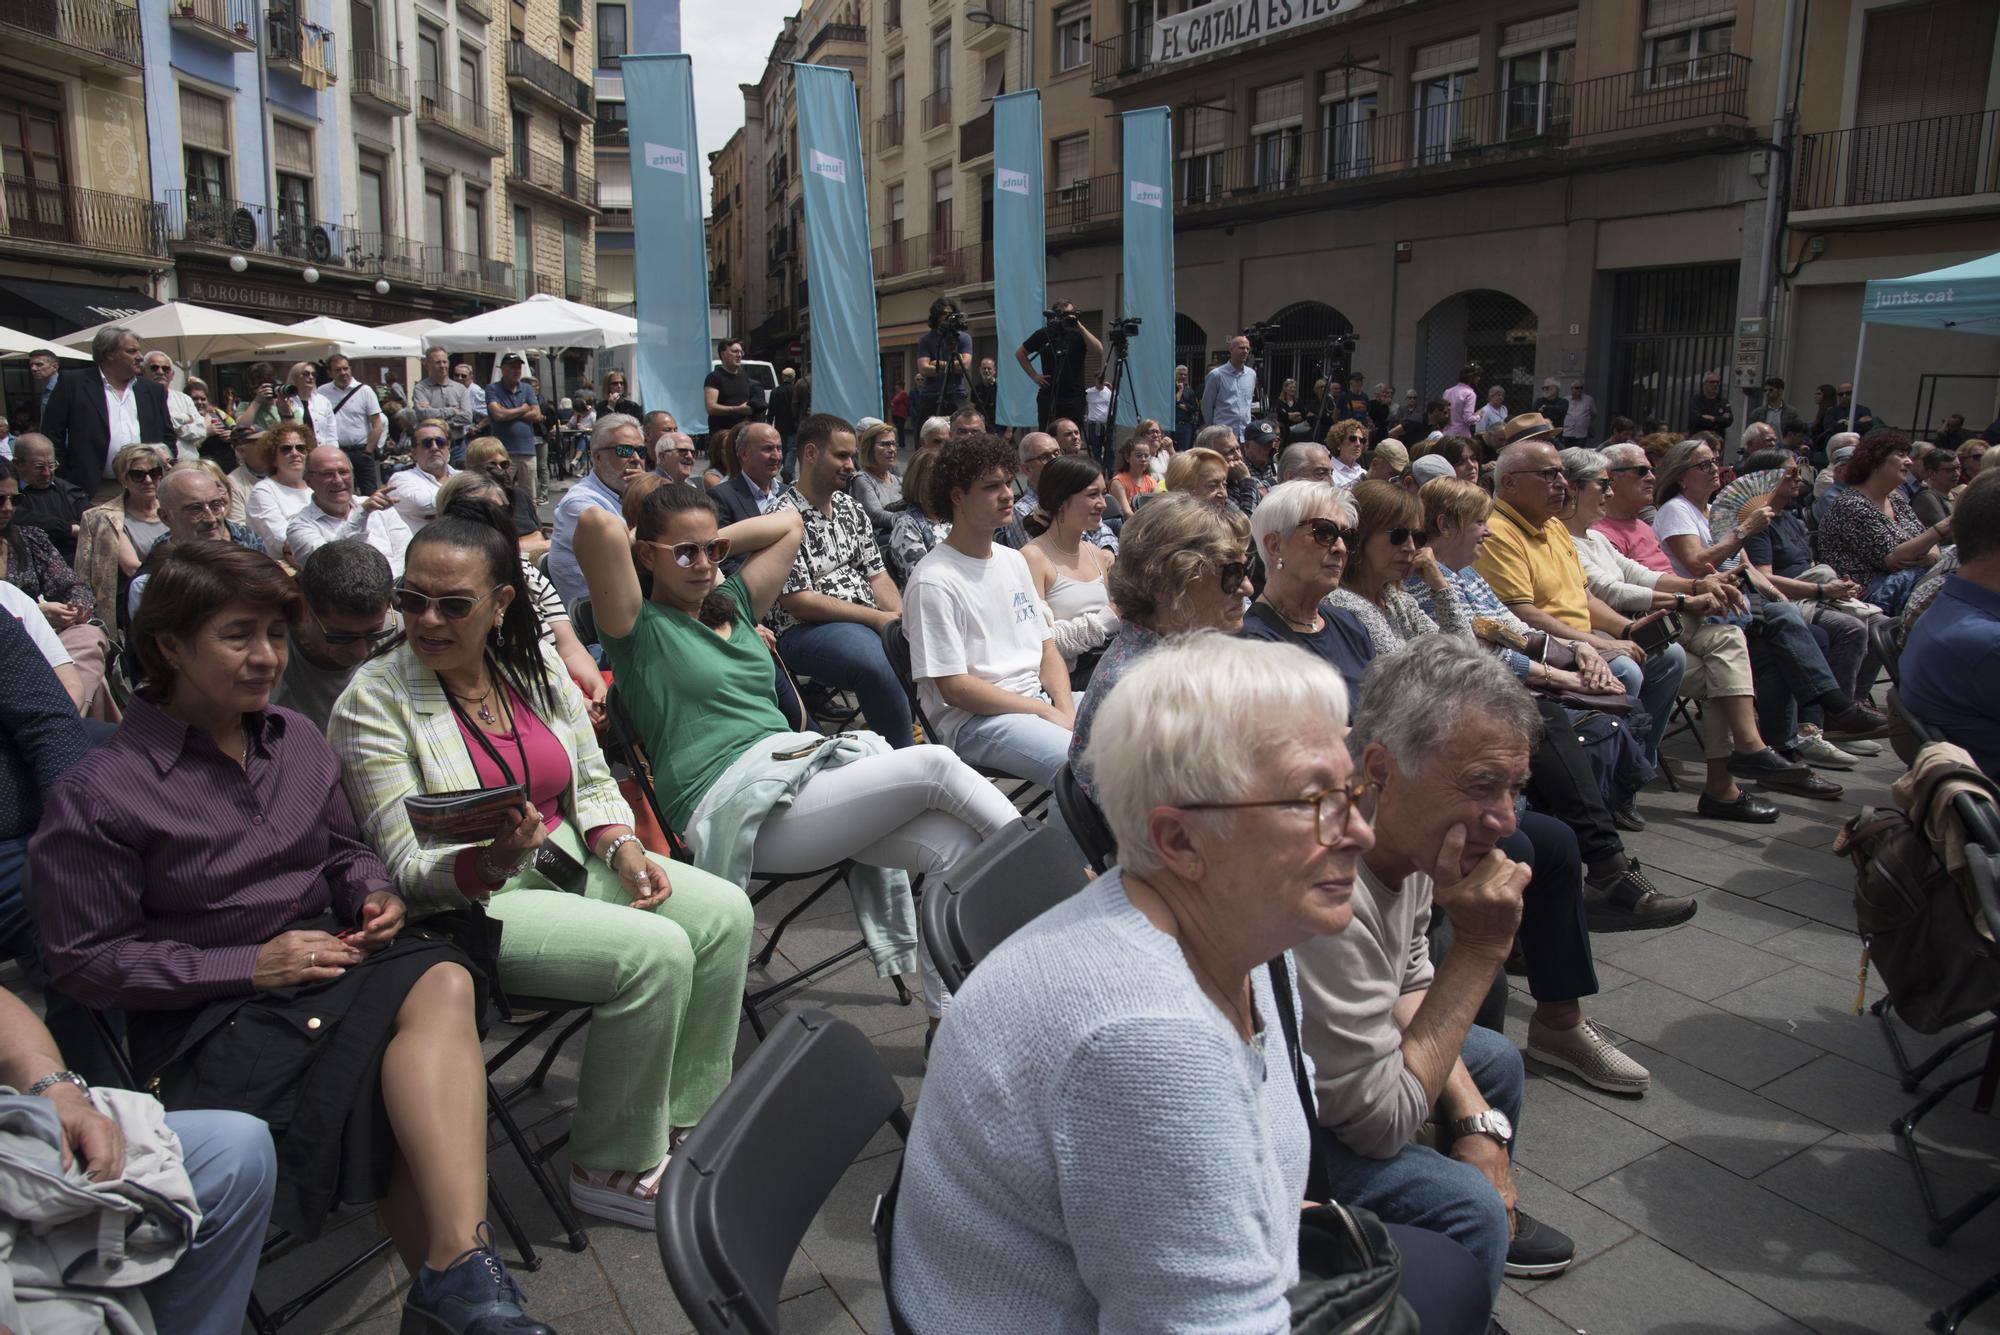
(187,9)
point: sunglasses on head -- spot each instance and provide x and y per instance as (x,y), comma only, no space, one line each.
(685,552)
(452,607)
(1327,532)
(146,474)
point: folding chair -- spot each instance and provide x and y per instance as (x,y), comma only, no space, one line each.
(624,740)
(500,1104)
(1086,821)
(1685,717)
(1885,636)
(745,1185)
(896,645)
(1029,867)
(582,620)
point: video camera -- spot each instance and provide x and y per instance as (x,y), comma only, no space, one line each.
(952,323)
(1118,331)
(1058,319)
(1258,333)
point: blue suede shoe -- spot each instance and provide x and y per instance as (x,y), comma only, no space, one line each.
(474,1295)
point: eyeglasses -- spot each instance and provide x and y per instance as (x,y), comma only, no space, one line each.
(452,607)
(1645,469)
(1399,537)
(343,638)
(1041,458)
(200,509)
(1550,476)
(684,552)
(1326,532)
(292,448)
(7,500)
(145,474)
(1707,466)
(1231,575)
(1330,808)
(624,451)
(430,442)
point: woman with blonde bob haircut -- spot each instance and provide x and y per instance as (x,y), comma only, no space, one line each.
(1199,472)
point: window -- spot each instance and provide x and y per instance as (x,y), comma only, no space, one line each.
(610,34)
(1138,39)
(1347,126)
(1072,25)
(941,60)
(473,235)
(568,58)
(894,85)
(361,28)
(941,206)
(437,194)
(292,154)
(517,20)
(1070,157)
(430,55)
(373,214)
(204,145)
(1537,63)
(471,79)
(892,15)
(519,120)
(524,250)
(569,172)
(1688,40)
(1198,173)
(1438,88)
(896,214)
(1275,134)
(572,261)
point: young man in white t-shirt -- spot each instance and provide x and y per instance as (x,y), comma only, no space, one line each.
(986,666)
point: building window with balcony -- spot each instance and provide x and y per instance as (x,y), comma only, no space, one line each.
(941,61)
(372,179)
(1276,131)
(896,214)
(610,34)
(1537,65)
(437,207)
(1439,82)
(471,76)
(430,56)
(474,238)
(1346,126)
(1072,25)
(361,35)
(1688,40)
(570,149)
(524,251)
(292,155)
(204,145)
(1137,42)
(892,15)
(941,187)
(518,119)
(1203,133)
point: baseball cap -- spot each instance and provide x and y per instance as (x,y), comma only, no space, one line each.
(1841,455)
(1393,451)
(1259,433)
(1432,466)
(865,423)
(506,357)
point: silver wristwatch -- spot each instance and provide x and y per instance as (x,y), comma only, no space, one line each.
(55,1078)
(1492,1123)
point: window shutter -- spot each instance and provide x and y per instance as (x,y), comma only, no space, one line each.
(204,121)
(1459,54)
(1664,16)
(1278,105)
(1919,61)
(1536,34)
(292,148)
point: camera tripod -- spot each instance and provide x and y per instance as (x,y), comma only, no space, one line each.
(1334,361)
(1121,351)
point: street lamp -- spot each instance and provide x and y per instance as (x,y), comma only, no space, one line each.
(986,18)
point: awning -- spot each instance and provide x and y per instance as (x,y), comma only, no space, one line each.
(71,305)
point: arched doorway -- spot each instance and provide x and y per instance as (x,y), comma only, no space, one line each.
(1295,348)
(1483,326)
(1190,347)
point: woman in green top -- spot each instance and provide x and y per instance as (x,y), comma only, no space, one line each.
(697,680)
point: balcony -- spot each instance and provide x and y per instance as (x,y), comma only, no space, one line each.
(614,218)
(459,117)
(889,133)
(975,138)
(779,248)
(227,23)
(1620,117)
(560,181)
(935,110)
(995,34)
(590,294)
(534,74)
(299,48)
(463,271)
(215,223)
(39,216)
(480,10)
(918,255)
(385,256)
(892,15)
(971,266)
(544,284)
(103,33)
(1930,167)
(836,32)
(571,12)
(382,81)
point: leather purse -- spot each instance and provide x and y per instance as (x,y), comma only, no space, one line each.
(1551,652)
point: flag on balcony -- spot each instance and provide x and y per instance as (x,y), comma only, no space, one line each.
(840,267)
(669,247)
(1149,266)
(1020,245)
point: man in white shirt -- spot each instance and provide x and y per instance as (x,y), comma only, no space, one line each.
(334,513)
(357,421)
(190,427)
(415,489)
(475,395)
(987,669)
(16,604)
(1580,418)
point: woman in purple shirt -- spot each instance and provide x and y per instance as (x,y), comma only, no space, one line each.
(202,871)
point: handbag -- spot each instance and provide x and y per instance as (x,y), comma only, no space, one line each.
(1546,649)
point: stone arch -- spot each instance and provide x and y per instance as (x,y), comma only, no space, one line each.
(1492,328)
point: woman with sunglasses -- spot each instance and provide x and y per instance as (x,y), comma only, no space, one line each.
(283,493)
(1386,548)
(488,457)
(735,779)
(1301,530)
(115,537)
(470,697)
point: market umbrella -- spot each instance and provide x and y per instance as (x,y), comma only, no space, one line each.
(355,340)
(190,333)
(415,329)
(14,343)
(542,320)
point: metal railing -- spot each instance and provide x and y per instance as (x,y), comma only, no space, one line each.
(47,213)
(889,132)
(543,74)
(915,254)
(232,224)
(971,263)
(836,32)
(936,109)
(975,137)
(445,267)
(1938,157)
(565,178)
(98,27)
(614,218)
(438,105)
(228,18)
(377,76)
(386,254)
(545,283)
(590,294)
(302,47)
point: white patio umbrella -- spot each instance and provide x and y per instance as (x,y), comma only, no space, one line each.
(542,321)
(189,333)
(355,340)
(415,329)
(14,343)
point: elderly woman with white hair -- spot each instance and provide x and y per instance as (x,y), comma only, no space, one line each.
(1301,532)
(1113,1134)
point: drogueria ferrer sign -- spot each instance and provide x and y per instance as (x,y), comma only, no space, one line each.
(1221,24)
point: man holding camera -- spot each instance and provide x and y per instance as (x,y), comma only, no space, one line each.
(1062,343)
(944,364)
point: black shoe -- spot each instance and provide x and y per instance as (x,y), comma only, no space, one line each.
(474,1295)
(1761,765)
(1626,817)
(1746,808)
(1631,903)
(1857,724)
(1538,1250)
(1804,784)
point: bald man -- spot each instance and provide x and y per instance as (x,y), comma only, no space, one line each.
(336,513)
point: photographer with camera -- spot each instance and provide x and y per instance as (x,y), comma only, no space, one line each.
(944,364)
(1062,343)
(1230,389)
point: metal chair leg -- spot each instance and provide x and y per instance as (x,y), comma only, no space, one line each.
(537,1171)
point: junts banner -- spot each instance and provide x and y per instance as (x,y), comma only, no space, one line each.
(670,250)
(845,359)
(1220,24)
(1020,254)
(1149,268)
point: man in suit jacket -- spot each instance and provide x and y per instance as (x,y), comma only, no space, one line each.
(760,457)
(99,409)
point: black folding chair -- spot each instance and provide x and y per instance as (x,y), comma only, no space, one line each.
(500,1103)
(896,645)
(743,1188)
(624,741)
(1029,867)
(1885,636)
(1086,821)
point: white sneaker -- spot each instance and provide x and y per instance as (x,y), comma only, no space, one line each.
(1816,750)
(619,1195)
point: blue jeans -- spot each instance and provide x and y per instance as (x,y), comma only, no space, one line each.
(1429,1190)
(1654,687)
(1026,746)
(1891,592)
(234,1171)
(1789,665)
(849,655)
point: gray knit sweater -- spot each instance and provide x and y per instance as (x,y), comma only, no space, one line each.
(1097,1149)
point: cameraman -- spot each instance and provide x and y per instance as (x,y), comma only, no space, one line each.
(944,364)
(1062,344)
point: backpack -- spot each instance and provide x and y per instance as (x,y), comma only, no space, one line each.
(1912,916)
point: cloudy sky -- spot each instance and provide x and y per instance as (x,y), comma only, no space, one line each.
(728,40)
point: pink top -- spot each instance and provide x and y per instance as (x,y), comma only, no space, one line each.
(1636,539)
(1463,400)
(548,774)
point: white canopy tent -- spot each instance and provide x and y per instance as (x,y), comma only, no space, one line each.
(14,343)
(415,329)
(541,321)
(189,333)
(353,340)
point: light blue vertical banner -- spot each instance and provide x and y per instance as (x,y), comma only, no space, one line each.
(1149,265)
(845,357)
(1020,246)
(669,247)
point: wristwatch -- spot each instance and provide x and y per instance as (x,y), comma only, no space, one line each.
(1492,1123)
(55,1078)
